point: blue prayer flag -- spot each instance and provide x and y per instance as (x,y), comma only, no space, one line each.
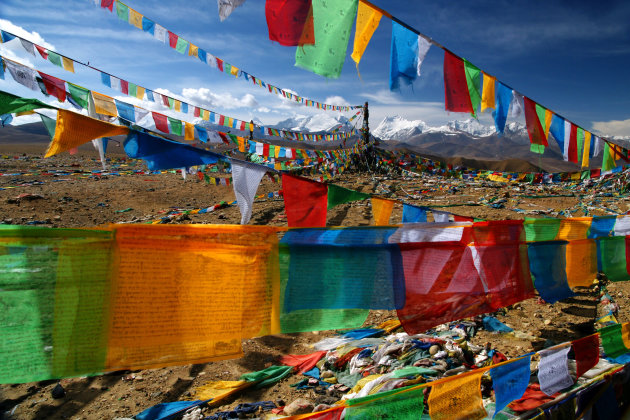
(557,130)
(6,37)
(403,56)
(106,79)
(547,264)
(125,111)
(148,25)
(202,55)
(413,214)
(602,227)
(510,382)
(502,103)
(202,133)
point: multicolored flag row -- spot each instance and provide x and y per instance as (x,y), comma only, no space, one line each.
(182,46)
(134,90)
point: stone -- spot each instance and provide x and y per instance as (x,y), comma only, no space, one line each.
(299,406)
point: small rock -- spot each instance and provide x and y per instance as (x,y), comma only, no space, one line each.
(547,321)
(280,402)
(434,349)
(299,406)
(156,394)
(58,392)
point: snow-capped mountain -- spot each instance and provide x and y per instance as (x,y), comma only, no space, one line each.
(400,129)
(314,123)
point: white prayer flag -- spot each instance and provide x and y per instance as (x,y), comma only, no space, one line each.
(245,180)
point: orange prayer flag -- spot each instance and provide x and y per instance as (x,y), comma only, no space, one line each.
(68,64)
(488,95)
(74,129)
(104,104)
(135,18)
(457,398)
(625,334)
(382,211)
(189,131)
(368,19)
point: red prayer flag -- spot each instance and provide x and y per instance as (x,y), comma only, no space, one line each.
(287,21)
(219,63)
(107,4)
(221,119)
(172,39)
(124,86)
(196,112)
(165,101)
(534,129)
(42,51)
(573,149)
(55,87)
(586,353)
(224,138)
(265,150)
(161,122)
(305,201)
(456,95)
(304,362)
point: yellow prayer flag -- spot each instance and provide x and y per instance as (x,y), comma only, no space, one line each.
(581,262)
(234,71)
(278,166)
(382,211)
(548,118)
(189,131)
(277,151)
(368,19)
(574,228)
(625,334)
(68,65)
(227,122)
(135,18)
(104,104)
(19,114)
(219,390)
(193,50)
(586,149)
(139,92)
(206,114)
(74,129)
(178,105)
(457,398)
(488,96)
(241,144)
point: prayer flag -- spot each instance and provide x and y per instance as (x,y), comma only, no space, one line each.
(612,341)
(148,25)
(302,363)
(503,100)
(227,6)
(401,404)
(457,96)
(339,195)
(161,122)
(79,95)
(382,210)
(125,111)
(288,20)
(104,104)
(107,4)
(534,129)
(68,65)
(74,129)
(305,201)
(509,382)
(587,150)
(28,46)
(423,48)
(547,264)
(55,87)
(460,397)
(403,56)
(122,11)
(517,105)
(556,129)
(473,80)
(413,214)
(573,146)
(13,104)
(25,76)
(553,370)
(333,24)
(608,160)
(175,126)
(488,93)
(189,131)
(245,180)
(136,19)
(586,351)
(368,19)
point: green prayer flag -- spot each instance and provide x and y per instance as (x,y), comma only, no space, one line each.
(396,404)
(332,21)
(580,142)
(340,195)
(473,79)
(612,256)
(607,161)
(182,46)
(176,126)
(537,148)
(585,175)
(79,94)
(50,125)
(171,102)
(268,376)
(54,58)
(10,103)
(133,89)
(612,341)
(122,10)
(541,229)
(540,111)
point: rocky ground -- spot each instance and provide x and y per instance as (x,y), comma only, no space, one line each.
(61,192)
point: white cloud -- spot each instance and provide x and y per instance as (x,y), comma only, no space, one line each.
(612,128)
(207,99)
(23,33)
(336,100)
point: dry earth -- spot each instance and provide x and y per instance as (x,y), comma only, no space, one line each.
(77,199)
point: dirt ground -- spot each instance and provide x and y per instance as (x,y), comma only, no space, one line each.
(64,193)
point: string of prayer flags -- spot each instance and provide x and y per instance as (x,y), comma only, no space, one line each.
(414,214)
(305,201)
(509,382)
(612,341)
(488,93)
(226,7)
(398,403)
(10,104)
(245,180)
(368,19)
(382,210)
(74,129)
(181,45)
(166,154)
(333,23)
(403,56)
(459,397)
(586,352)
(54,86)
(553,370)
(339,195)
(290,23)
(456,94)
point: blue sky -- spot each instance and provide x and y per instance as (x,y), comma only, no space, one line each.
(570,56)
